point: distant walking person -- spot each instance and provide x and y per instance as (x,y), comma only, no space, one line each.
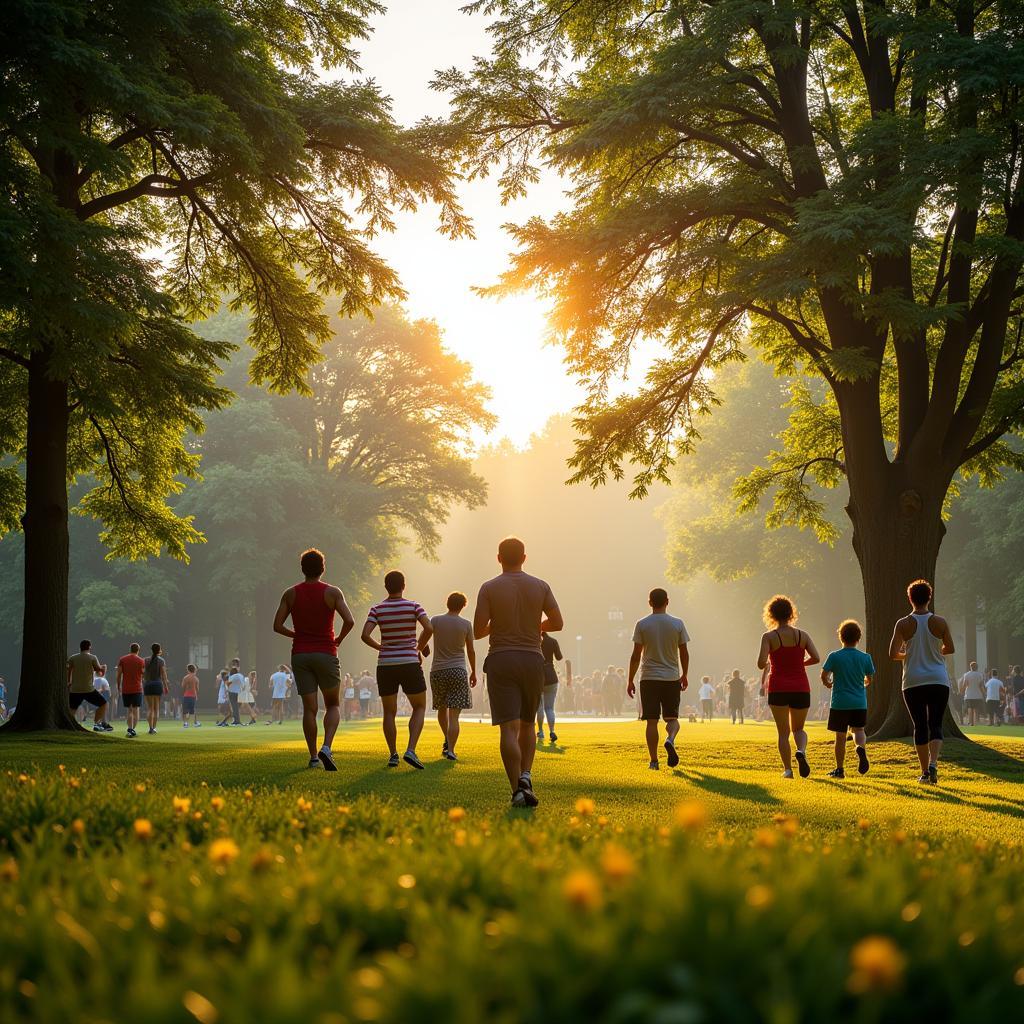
(972,692)
(515,610)
(247,697)
(155,686)
(189,697)
(450,683)
(921,640)
(846,673)
(399,663)
(661,654)
(279,682)
(737,687)
(995,692)
(81,673)
(223,701)
(312,606)
(706,694)
(550,652)
(787,653)
(236,680)
(130,670)
(102,686)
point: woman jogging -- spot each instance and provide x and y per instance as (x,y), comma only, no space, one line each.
(247,697)
(787,652)
(921,640)
(154,686)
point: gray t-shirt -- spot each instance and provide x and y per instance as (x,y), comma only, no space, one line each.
(450,635)
(661,634)
(514,604)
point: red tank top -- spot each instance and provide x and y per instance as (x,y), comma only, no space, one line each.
(312,620)
(788,674)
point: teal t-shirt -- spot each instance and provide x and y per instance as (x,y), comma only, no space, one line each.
(849,666)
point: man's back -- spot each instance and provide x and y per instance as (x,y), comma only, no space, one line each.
(514,603)
(83,665)
(661,634)
(973,682)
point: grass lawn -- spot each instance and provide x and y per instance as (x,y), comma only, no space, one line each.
(209,875)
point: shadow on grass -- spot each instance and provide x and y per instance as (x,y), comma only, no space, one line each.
(549,748)
(981,758)
(731,788)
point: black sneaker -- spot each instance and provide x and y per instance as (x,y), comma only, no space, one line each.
(152,732)
(525,782)
(802,766)
(673,754)
(107,727)
(409,757)
(528,795)
(933,774)
(393,761)
(98,728)
(327,761)
(449,755)
(862,758)
(130,732)
(444,747)
(925,778)
(519,798)
(837,773)
(553,738)
(314,762)
(540,736)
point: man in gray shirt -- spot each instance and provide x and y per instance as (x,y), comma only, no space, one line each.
(661,655)
(514,609)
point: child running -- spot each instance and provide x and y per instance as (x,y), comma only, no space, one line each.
(189,696)
(847,672)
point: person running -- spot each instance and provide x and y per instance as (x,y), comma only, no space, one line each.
(154,686)
(247,697)
(847,672)
(737,687)
(661,654)
(81,673)
(189,697)
(399,663)
(514,610)
(450,684)
(312,606)
(972,691)
(130,670)
(550,652)
(995,693)
(706,694)
(236,680)
(787,652)
(921,640)
(279,683)
(101,685)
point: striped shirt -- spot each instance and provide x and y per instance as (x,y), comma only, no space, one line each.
(396,618)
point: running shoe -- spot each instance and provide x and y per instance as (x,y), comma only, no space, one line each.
(393,761)
(863,763)
(528,795)
(553,738)
(197,725)
(673,754)
(788,773)
(925,778)
(525,782)
(654,766)
(98,728)
(410,758)
(448,755)
(314,762)
(326,760)
(540,736)
(518,798)
(107,727)
(837,773)
(444,747)
(130,732)
(184,725)
(933,773)
(802,765)
(152,732)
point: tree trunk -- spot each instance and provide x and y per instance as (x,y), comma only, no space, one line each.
(43,693)
(896,540)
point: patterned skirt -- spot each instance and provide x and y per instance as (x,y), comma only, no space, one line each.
(450,689)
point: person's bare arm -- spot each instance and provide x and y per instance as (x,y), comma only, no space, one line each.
(120,678)
(897,644)
(69,675)
(762,654)
(367,637)
(634,664)
(826,679)
(684,665)
(945,636)
(868,679)
(427,631)
(552,621)
(812,653)
(284,609)
(471,654)
(482,616)
(344,613)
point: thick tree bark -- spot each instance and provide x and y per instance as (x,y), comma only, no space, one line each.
(897,535)
(42,694)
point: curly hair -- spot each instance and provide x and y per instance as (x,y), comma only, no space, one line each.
(779,611)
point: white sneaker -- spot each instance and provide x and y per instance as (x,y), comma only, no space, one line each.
(788,773)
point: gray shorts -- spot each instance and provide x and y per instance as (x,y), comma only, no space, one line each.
(515,682)
(315,670)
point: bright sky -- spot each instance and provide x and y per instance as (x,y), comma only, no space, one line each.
(503,340)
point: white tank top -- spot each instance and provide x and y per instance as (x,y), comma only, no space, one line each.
(923,664)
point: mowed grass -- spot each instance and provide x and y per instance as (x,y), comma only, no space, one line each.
(211,876)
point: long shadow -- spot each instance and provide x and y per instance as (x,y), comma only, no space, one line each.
(986,760)
(989,804)
(735,790)
(549,748)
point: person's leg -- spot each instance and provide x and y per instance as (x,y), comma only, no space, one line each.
(390,705)
(418,703)
(332,716)
(797,717)
(233,701)
(840,749)
(781,716)
(310,707)
(511,755)
(442,721)
(454,728)
(918,709)
(527,746)
(540,720)
(652,739)
(938,699)
(741,714)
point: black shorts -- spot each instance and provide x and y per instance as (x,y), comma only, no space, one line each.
(153,688)
(409,677)
(131,700)
(188,705)
(975,703)
(659,698)
(795,699)
(841,719)
(515,685)
(93,697)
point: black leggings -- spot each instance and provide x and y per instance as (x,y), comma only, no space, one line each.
(927,705)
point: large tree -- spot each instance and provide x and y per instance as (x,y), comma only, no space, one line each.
(205,133)
(838,184)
